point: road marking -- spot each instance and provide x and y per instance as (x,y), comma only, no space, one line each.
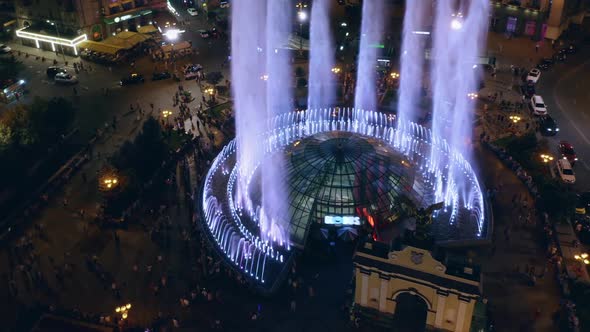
(559,105)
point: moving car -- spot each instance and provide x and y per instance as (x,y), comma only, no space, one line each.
(527,90)
(133,78)
(204,34)
(548,126)
(5,48)
(533,75)
(566,151)
(537,105)
(571,49)
(224,4)
(192,12)
(191,71)
(161,76)
(65,78)
(545,63)
(560,55)
(53,70)
(565,171)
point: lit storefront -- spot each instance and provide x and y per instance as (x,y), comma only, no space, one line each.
(130,21)
(42,39)
(518,21)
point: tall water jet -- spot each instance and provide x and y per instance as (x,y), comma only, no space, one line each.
(371,33)
(321,89)
(459,36)
(279,97)
(412,61)
(248,62)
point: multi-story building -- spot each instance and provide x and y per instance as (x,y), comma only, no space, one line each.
(52,24)
(55,23)
(121,15)
(537,19)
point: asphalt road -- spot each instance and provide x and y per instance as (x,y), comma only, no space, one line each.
(565,91)
(95,108)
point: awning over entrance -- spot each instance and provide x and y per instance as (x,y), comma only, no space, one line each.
(100,47)
(126,39)
(147,29)
(27,33)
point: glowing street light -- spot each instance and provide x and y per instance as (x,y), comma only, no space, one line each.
(394,75)
(515,118)
(546,158)
(264,77)
(472,95)
(302,16)
(172,34)
(457,21)
(166,113)
(210,91)
(582,258)
(336,70)
(123,310)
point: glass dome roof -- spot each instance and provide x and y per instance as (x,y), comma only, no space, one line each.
(346,174)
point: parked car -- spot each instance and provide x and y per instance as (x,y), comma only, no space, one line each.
(65,78)
(545,63)
(565,171)
(533,75)
(133,78)
(204,34)
(527,90)
(192,11)
(548,126)
(5,49)
(53,70)
(566,151)
(224,4)
(537,105)
(164,75)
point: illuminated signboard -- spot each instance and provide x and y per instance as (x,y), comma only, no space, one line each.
(342,220)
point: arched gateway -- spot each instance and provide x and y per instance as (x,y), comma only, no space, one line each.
(409,290)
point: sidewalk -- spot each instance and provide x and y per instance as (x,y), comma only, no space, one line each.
(513,300)
(519,51)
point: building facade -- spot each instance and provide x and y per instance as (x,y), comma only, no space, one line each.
(62,24)
(537,19)
(391,286)
(125,15)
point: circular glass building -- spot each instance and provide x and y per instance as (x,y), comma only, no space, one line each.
(343,168)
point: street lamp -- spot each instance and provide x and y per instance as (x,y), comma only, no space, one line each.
(457,21)
(515,118)
(336,70)
(264,77)
(108,179)
(166,113)
(582,258)
(58,36)
(123,310)
(394,75)
(546,158)
(302,17)
(472,95)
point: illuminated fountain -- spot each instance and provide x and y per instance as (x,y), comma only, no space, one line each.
(459,36)
(321,90)
(371,33)
(290,171)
